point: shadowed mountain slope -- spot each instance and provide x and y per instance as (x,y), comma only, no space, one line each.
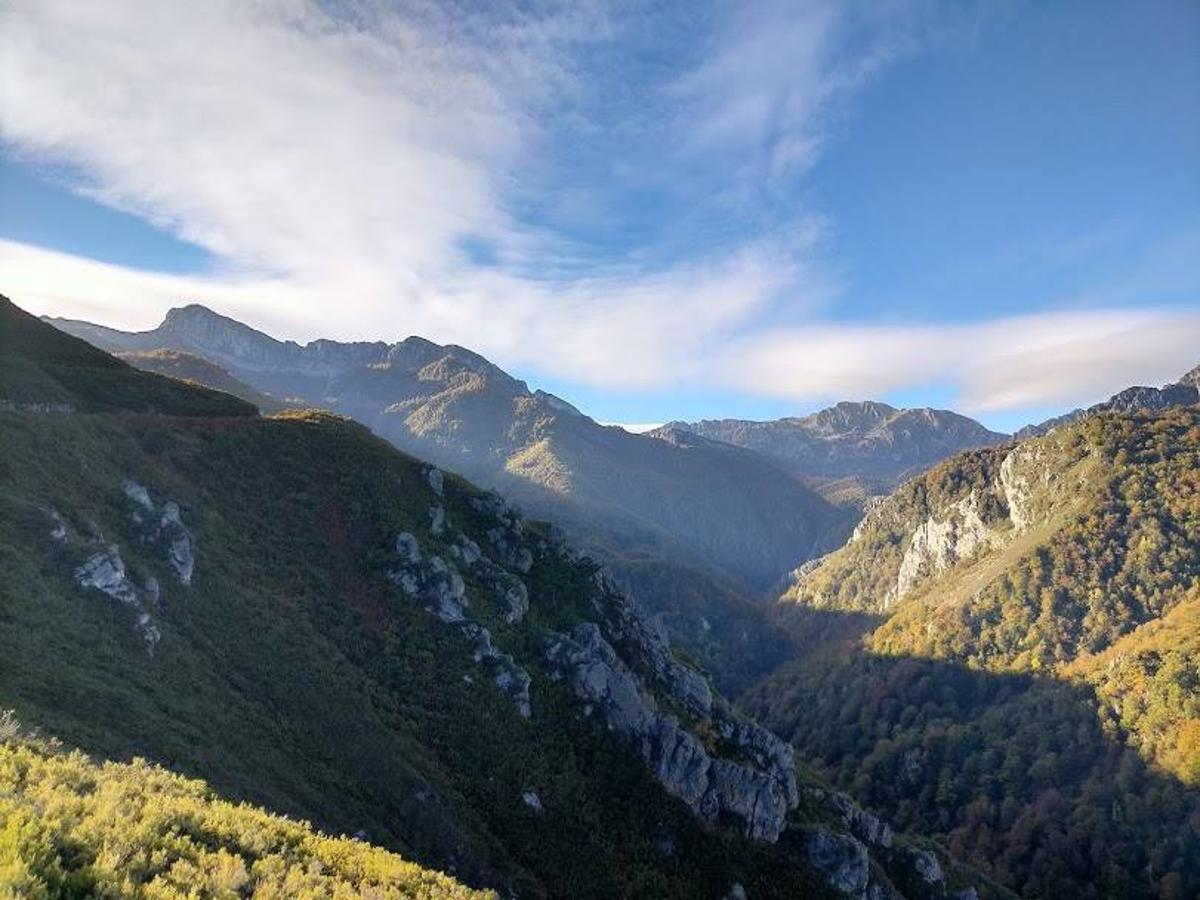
(727,522)
(311,620)
(1002,655)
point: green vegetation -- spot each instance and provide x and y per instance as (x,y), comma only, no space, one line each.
(39,368)
(1148,685)
(1034,702)
(198,370)
(72,828)
(293,674)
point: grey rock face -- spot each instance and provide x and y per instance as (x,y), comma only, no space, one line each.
(843,859)
(532,800)
(926,866)
(58,527)
(864,825)
(105,571)
(709,786)
(138,494)
(407,548)
(436,480)
(179,553)
(937,544)
(629,623)
(441,590)
(169,530)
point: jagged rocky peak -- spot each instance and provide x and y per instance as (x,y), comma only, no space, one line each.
(849,417)
(1192,377)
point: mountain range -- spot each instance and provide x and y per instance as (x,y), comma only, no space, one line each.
(1183,392)
(870,443)
(1000,658)
(317,623)
(698,528)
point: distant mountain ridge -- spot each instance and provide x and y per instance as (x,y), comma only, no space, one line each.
(867,440)
(1184,392)
(726,522)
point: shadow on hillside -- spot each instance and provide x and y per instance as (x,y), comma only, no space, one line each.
(1014,772)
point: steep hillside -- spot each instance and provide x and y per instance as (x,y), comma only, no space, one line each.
(310,620)
(173,837)
(728,522)
(189,367)
(1004,656)
(870,441)
(41,372)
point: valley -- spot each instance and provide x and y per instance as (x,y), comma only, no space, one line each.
(316,622)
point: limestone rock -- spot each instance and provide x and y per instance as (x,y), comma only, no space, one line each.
(138,494)
(179,552)
(437,520)
(864,825)
(842,858)
(532,800)
(407,548)
(926,866)
(105,571)
(937,544)
(58,527)
(711,787)
(441,590)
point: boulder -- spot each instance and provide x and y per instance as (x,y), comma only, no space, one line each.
(842,858)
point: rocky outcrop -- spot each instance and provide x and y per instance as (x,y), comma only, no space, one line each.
(104,571)
(864,825)
(939,543)
(164,529)
(646,639)
(844,860)
(179,543)
(712,787)
(441,590)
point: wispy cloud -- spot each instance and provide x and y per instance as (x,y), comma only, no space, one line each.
(1002,364)
(341,160)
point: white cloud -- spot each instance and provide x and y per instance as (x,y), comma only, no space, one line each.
(1002,364)
(334,163)
(335,158)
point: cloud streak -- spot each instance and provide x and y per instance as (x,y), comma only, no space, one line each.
(339,162)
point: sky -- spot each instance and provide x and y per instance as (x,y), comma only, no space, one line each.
(656,210)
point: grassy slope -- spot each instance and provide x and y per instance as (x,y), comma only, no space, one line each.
(927,715)
(71,827)
(189,367)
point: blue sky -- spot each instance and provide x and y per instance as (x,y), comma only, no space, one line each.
(657,210)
